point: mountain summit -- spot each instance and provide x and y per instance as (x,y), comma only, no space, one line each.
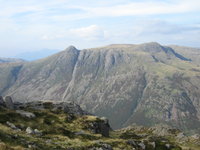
(144,84)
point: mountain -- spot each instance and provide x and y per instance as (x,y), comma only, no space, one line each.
(10,60)
(144,84)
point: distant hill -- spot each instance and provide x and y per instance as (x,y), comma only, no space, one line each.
(9,60)
(144,84)
(34,55)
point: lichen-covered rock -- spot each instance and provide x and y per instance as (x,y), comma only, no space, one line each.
(29,130)
(132,143)
(196,136)
(101,126)
(142,145)
(80,133)
(102,147)
(72,108)
(37,132)
(180,135)
(153,144)
(11,125)
(168,146)
(25,114)
(67,107)
(9,102)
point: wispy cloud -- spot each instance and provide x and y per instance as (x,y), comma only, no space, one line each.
(144,8)
(163,28)
(92,32)
(59,10)
(166,32)
(88,33)
(92,23)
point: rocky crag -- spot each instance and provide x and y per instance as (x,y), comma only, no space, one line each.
(65,126)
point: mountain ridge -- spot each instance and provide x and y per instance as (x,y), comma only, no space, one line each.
(144,84)
(11,60)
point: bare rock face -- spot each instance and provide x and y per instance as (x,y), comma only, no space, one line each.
(9,103)
(104,127)
(100,127)
(72,108)
(2,103)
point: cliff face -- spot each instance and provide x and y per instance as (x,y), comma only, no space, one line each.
(144,84)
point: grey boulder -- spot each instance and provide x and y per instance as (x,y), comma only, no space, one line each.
(25,114)
(29,130)
(9,102)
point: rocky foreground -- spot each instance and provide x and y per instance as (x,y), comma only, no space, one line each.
(48,125)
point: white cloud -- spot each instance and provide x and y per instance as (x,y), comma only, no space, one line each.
(52,37)
(144,8)
(60,23)
(10,11)
(92,32)
(165,33)
(50,10)
(149,27)
(46,37)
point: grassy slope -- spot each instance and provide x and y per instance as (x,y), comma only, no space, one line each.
(60,133)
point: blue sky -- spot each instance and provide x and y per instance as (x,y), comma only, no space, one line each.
(32,25)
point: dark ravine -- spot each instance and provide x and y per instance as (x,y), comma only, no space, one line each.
(144,84)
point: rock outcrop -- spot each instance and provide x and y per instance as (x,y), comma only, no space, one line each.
(29,130)
(101,126)
(67,107)
(25,114)
(2,103)
(9,102)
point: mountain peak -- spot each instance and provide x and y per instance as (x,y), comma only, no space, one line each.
(150,45)
(153,43)
(71,48)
